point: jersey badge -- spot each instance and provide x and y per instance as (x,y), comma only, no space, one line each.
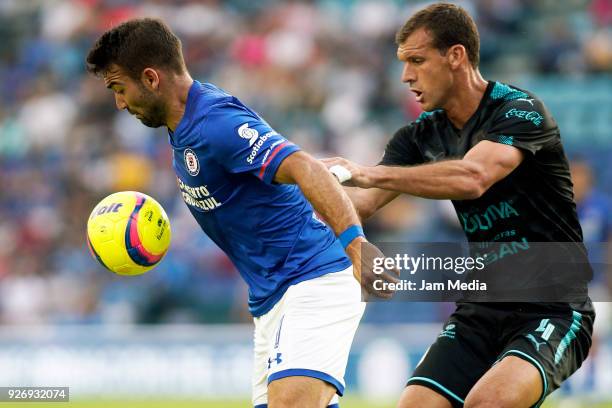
(191,161)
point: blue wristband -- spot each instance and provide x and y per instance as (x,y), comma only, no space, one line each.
(349,234)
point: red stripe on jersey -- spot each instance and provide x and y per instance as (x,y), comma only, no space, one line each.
(274,153)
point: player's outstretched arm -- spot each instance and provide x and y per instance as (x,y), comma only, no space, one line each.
(331,202)
(368,201)
(462,179)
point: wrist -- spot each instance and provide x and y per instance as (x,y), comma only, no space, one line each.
(354,247)
(378,175)
(350,234)
(370,176)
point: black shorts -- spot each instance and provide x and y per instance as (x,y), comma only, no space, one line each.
(555,338)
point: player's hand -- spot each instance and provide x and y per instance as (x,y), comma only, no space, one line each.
(362,254)
(357,175)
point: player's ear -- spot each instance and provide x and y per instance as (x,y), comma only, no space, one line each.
(456,55)
(150,78)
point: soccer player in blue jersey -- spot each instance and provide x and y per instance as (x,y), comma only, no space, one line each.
(253,192)
(485,145)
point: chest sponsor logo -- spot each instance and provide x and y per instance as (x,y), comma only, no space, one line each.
(245,132)
(532,116)
(198,197)
(472,222)
(191,162)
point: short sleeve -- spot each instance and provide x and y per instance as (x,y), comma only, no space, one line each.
(401,149)
(525,124)
(242,142)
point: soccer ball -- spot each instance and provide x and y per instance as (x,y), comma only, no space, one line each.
(128,233)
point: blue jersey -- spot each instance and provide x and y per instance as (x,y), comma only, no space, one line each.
(594,213)
(225,159)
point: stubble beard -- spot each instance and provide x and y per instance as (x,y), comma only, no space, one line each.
(154,112)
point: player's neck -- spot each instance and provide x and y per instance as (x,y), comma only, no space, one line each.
(466,98)
(178,101)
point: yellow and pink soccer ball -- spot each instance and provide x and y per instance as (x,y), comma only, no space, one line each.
(128,233)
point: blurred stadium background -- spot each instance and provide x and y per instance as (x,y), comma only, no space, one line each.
(324,74)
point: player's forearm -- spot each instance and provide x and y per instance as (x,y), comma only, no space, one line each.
(453,179)
(320,188)
(326,196)
(359,202)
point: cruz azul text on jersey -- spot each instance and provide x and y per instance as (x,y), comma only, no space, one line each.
(198,196)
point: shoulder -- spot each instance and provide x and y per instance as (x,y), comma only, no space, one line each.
(230,125)
(212,98)
(515,106)
(214,103)
(520,119)
(521,102)
(503,93)
(228,114)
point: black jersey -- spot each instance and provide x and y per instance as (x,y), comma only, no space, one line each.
(533,204)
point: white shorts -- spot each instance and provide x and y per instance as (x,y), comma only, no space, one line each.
(308,333)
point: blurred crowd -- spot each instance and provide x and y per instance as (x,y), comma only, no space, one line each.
(322,72)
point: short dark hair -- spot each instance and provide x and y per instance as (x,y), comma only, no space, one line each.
(136,45)
(449,25)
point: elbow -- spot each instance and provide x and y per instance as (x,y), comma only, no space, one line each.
(300,168)
(476,183)
(472,192)
(364,206)
(364,213)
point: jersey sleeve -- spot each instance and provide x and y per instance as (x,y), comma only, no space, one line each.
(242,142)
(525,124)
(402,149)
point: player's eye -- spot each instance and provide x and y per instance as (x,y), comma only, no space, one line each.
(417,60)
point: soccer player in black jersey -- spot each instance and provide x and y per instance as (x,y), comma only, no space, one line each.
(482,144)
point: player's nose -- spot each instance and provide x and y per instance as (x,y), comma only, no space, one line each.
(408,74)
(120,102)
